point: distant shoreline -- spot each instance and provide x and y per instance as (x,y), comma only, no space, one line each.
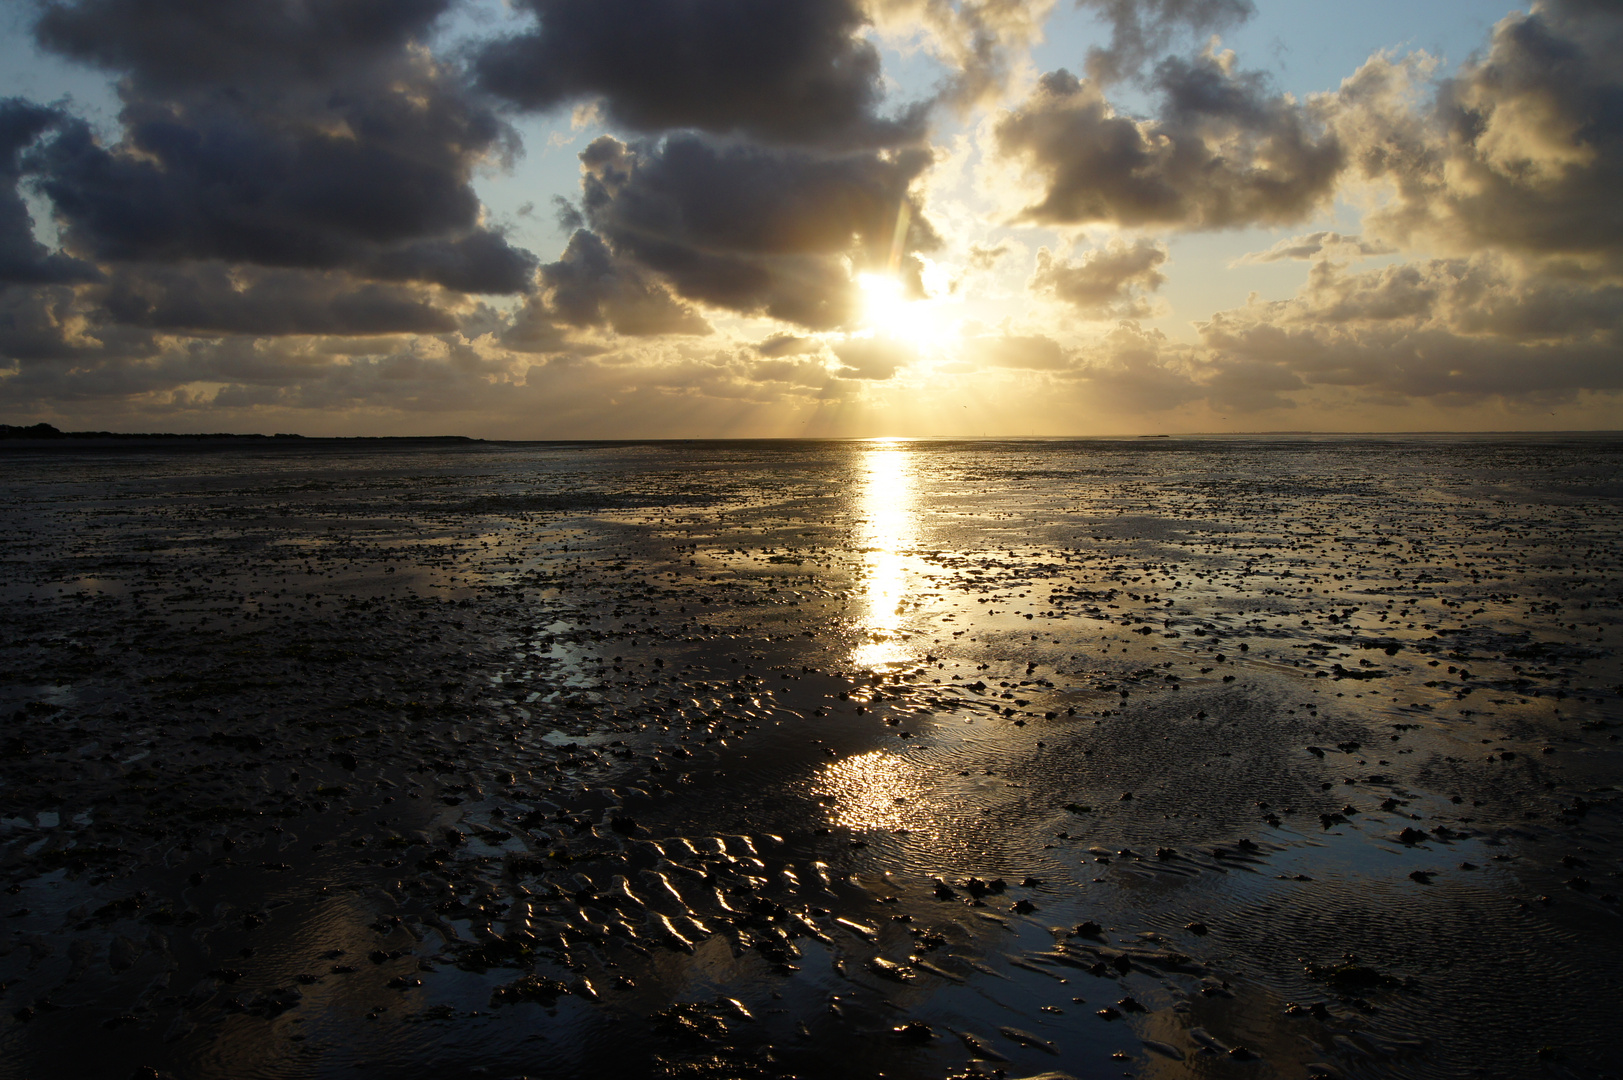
(46,435)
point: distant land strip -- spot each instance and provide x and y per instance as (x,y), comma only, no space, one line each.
(47,431)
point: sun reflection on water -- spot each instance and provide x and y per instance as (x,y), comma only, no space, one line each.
(875,790)
(888,509)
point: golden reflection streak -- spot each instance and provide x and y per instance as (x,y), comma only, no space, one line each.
(872,791)
(889,526)
(877,790)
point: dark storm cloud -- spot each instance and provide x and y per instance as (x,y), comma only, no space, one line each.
(140,312)
(534,329)
(1223,151)
(751,229)
(788,71)
(211,298)
(278,134)
(480,262)
(1521,151)
(566,215)
(742,198)
(118,315)
(367,185)
(1107,282)
(591,287)
(1141,30)
(55,322)
(23,259)
(180,44)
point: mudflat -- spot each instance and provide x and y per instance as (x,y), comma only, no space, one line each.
(1174,757)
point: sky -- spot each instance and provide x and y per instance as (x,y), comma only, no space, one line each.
(561,219)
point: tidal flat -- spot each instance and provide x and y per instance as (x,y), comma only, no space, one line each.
(916,759)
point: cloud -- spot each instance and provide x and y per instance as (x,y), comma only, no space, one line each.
(482,261)
(1455,330)
(1522,150)
(591,287)
(288,180)
(23,259)
(795,72)
(212,298)
(564,212)
(980,41)
(428,373)
(55,322)
(1034,352)
(282,135)
(534,329)
(442,384)
(178,46)
(873,358)
(1141,30)
(1108,282)
(1223,151)
(1316,245)
(1134,371)
(787,345)
(983,257)
(807,373)
(1248,386)
(284,223)
(1451,332)
(752,229)
(1482,295)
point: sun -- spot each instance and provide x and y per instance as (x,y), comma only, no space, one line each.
(888,312)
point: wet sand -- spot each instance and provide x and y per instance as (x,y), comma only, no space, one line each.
(1152,758)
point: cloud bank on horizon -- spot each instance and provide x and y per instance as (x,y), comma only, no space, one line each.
(808,217)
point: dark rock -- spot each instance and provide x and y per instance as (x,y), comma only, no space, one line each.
(529,988)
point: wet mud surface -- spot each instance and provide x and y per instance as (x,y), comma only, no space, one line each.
(1128,758)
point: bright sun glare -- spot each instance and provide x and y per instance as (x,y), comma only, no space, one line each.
(888,312)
